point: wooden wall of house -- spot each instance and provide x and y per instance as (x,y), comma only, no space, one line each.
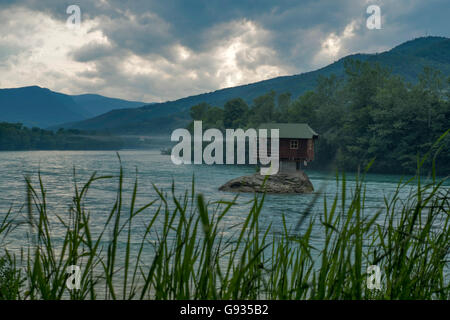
(310,151)
(305,149)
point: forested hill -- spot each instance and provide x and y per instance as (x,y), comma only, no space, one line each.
(371,114)
(14,137)
(407,60)
(40,107)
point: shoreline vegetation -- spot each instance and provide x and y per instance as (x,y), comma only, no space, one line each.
(184,252)
(369,113)
(16,137)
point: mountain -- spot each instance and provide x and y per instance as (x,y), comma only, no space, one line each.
(40,107)
(96,104)
(406,60)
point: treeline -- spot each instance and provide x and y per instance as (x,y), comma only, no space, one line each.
(370,113)
(15,136)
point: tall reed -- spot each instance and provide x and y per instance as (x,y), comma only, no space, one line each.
(185,251)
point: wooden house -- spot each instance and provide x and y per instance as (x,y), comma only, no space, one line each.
(296,144)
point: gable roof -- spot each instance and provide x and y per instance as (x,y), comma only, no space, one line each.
(291,130)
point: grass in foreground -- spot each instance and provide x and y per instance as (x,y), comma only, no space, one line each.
(183,252)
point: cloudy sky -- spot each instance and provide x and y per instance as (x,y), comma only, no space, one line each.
(157,50)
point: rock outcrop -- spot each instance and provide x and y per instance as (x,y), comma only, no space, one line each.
(292,182)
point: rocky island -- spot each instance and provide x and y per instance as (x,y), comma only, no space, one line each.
(296,146)
(283,182)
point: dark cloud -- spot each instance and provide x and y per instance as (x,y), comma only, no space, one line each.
(92,51)
(168,49)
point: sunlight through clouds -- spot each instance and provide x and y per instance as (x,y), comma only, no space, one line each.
(239,57)
(242,59)
(154,51)
(333,47)
(43,46)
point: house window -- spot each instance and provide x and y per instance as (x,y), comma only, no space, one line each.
(293,144)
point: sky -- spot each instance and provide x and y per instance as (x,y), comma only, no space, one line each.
(154,51)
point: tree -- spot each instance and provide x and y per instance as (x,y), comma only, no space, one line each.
(235,113)
(368,114)
(284,101)
(198,111)
(214,118)
(263,109)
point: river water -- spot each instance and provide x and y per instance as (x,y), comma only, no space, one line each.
(151,168)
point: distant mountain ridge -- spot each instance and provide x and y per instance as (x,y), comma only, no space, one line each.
(97,104)
(407,60)
(40,107)
(45,108)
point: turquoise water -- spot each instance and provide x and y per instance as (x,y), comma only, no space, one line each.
(56,169)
